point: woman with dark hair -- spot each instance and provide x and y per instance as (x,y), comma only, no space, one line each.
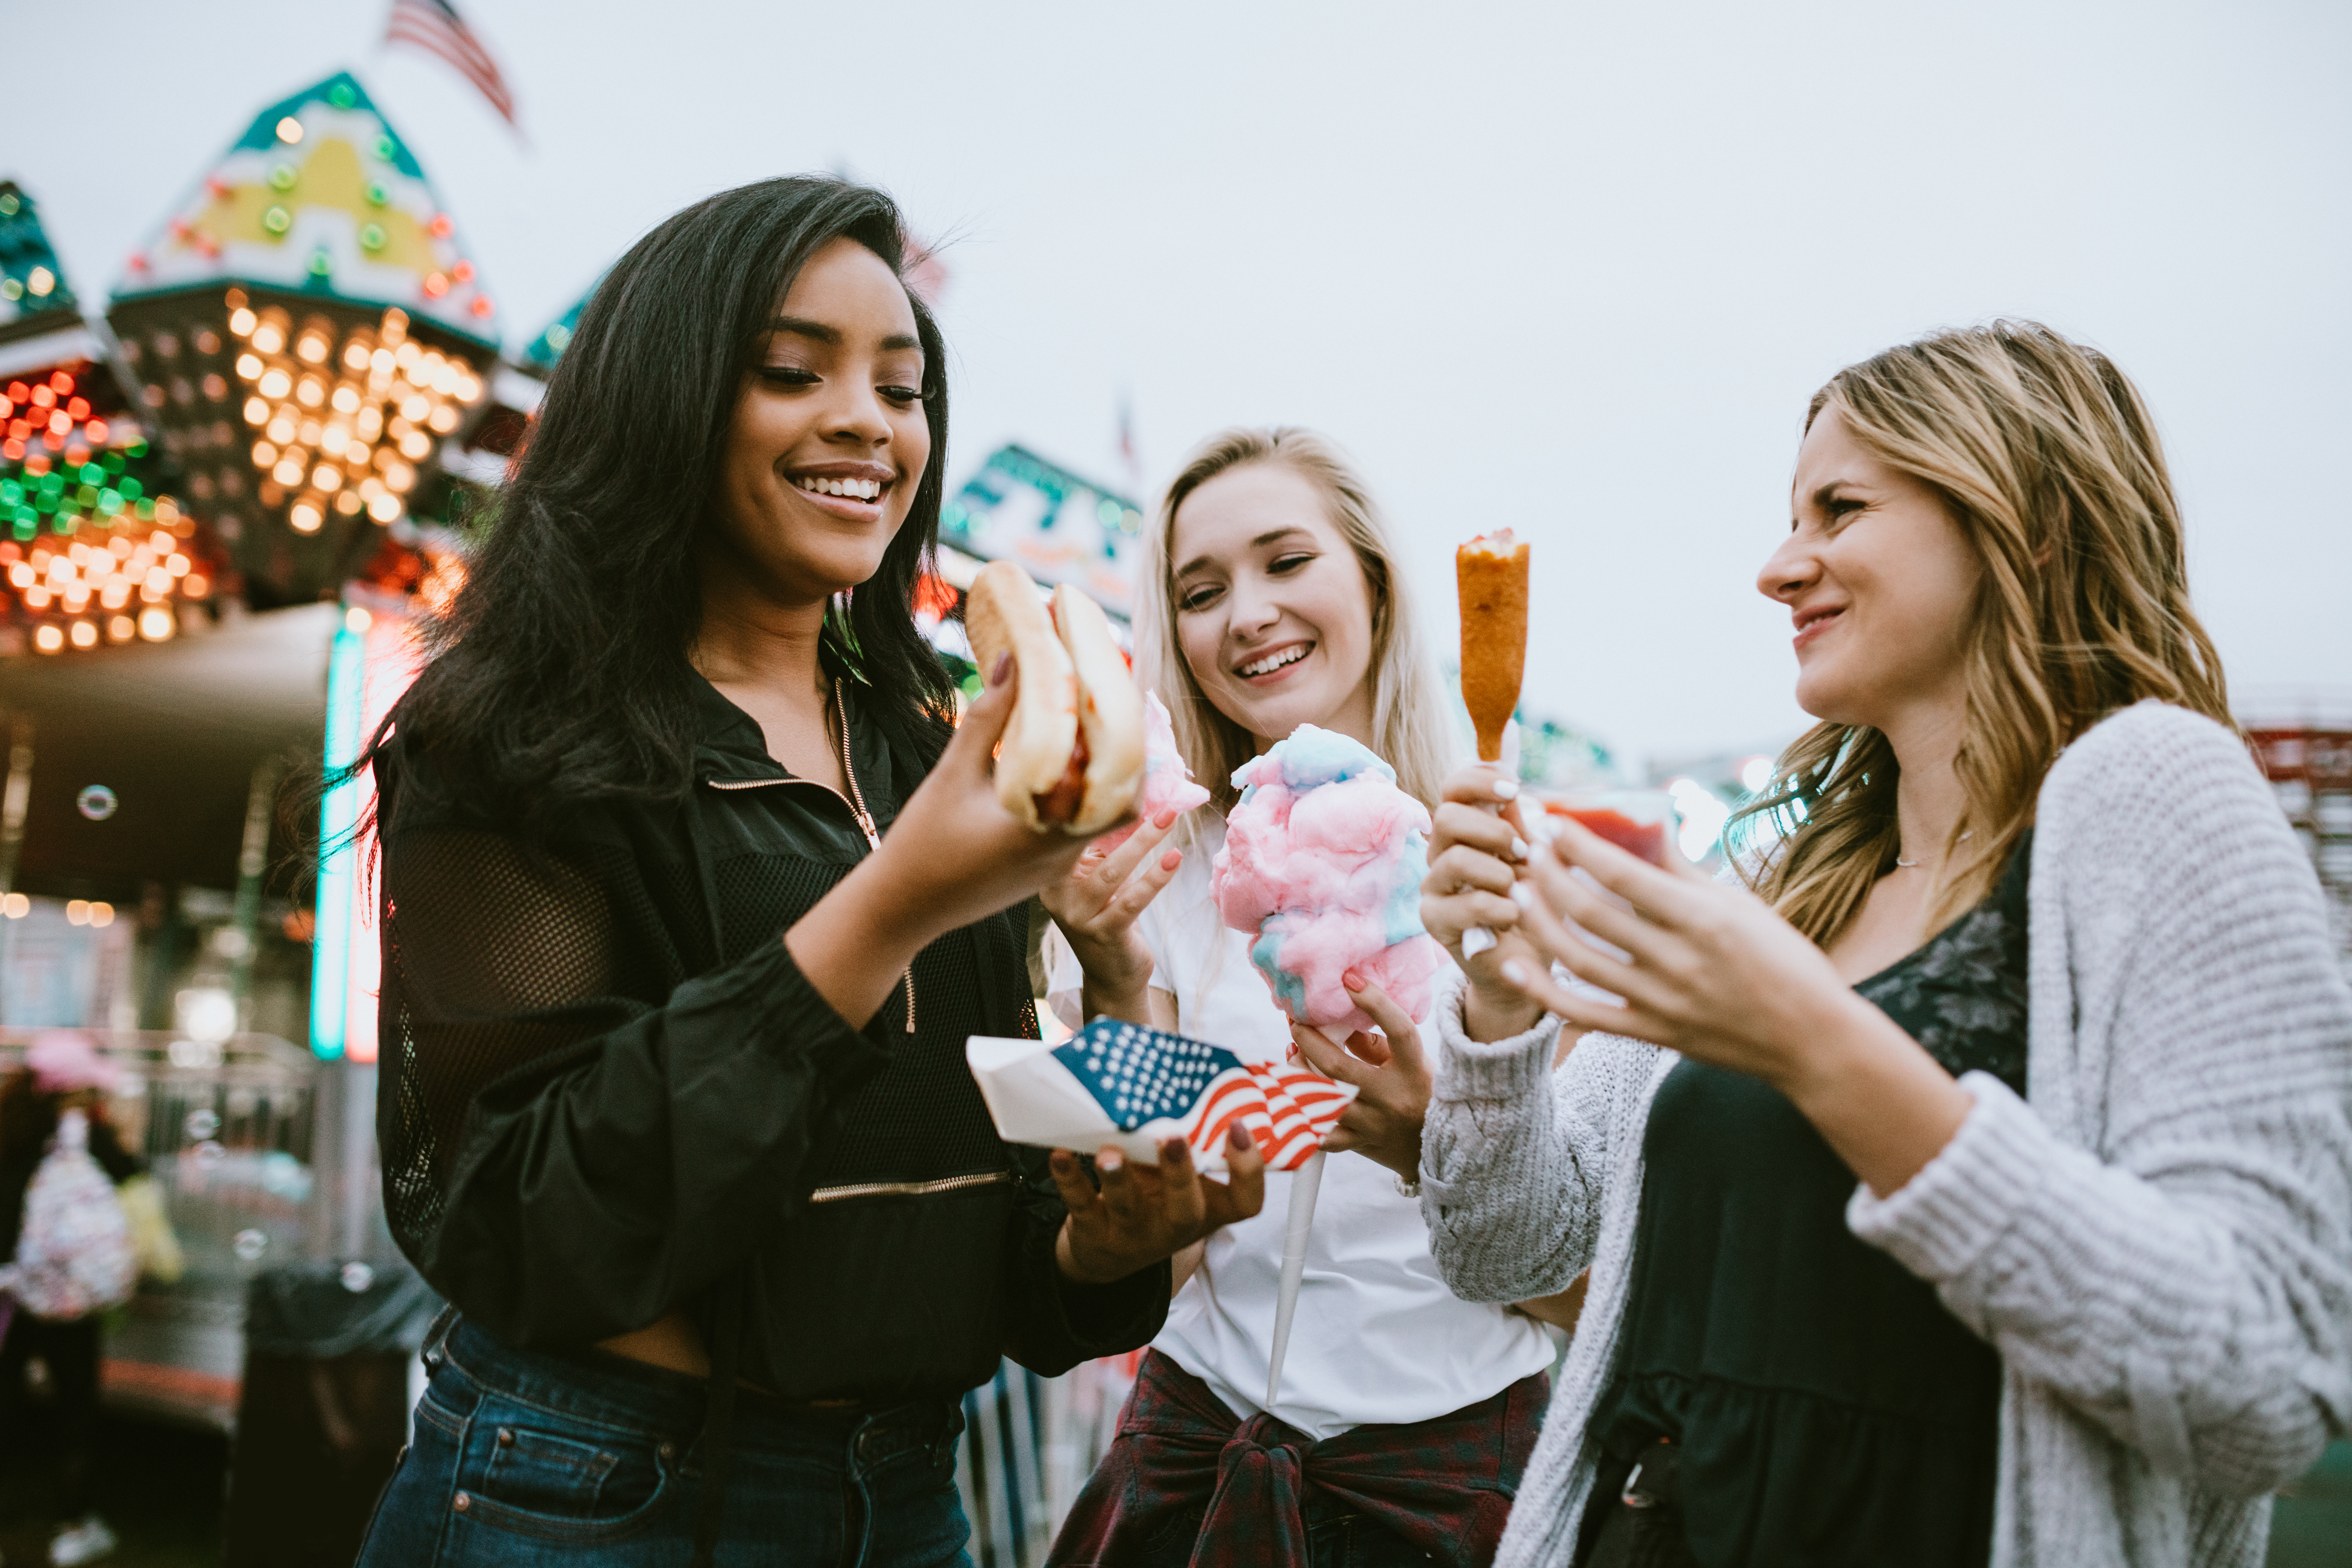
(691,896)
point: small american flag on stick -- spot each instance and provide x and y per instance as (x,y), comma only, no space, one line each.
(1121,1084)
(435,26)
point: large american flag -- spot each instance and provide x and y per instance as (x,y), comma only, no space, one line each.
(435,26)
(1139,1076)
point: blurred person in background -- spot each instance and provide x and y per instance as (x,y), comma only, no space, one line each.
(1975,1183)
(692,895)
(53,1296)
(1272,595)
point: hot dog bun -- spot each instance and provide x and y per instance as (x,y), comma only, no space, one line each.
(1111,714)
(1071,756)
(1002,615)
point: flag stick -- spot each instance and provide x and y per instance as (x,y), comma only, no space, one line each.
(1303,1191)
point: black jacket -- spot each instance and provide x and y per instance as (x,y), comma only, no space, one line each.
(609,1092)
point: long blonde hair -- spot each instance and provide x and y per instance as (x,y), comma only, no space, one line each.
(1410,727)
(2044,454)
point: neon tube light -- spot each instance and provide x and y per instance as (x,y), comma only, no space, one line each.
(330,941)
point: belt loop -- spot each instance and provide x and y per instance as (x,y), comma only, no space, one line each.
(718,1438)
(436,1337)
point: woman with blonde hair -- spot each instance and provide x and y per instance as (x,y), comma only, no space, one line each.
(2034,956)
(1272,597)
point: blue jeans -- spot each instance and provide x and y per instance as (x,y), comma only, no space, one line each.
(522,1458)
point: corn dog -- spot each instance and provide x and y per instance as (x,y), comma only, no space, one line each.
(1491,574)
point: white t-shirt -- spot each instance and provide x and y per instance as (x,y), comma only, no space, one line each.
(1378,1338)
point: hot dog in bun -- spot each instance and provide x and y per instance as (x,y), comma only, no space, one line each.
(1071,756)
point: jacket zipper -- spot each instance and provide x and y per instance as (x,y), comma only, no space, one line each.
(855,801)
(866,821)
(911,1189)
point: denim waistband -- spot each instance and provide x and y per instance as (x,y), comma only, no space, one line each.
(614,1391)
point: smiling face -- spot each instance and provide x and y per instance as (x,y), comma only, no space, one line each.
(1880,582)
(1274,616)
(828,440)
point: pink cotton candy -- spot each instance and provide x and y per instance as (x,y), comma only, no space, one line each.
(1167,783)
(1323,860)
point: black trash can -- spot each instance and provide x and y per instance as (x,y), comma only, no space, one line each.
(324,1410)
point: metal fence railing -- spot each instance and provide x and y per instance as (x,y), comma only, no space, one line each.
(1029,1445)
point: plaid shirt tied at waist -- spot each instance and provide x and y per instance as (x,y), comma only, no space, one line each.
(1444,1485)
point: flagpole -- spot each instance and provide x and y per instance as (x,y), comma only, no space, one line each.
(1304,1188)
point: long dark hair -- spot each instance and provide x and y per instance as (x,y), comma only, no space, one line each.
(560,677)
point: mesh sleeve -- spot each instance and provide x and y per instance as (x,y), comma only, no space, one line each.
(572,1145)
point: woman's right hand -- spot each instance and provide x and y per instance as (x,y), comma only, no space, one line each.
(954,856)
(957,854)
(1474,855)
(1095,907)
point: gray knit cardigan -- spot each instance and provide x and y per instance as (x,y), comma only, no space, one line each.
(2157,1240)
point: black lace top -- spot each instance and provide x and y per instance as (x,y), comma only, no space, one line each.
(1829,1411)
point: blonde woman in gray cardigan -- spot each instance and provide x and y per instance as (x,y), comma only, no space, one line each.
(1976,1183)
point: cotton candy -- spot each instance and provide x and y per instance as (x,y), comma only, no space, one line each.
(1323,860)
(1167,783)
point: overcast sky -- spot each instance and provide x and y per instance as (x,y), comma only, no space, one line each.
(1569,267)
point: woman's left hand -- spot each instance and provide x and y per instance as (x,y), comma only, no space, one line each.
(1135,1215)
(1711,972)
(1391,1074)
(1714,974)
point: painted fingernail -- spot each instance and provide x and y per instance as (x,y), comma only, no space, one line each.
(1003,666)
(1515,972)
(1524,895)
(1353,981)
(1174,1151)
(1170,861)
(1109,1159)
(1237,1136)
(1507,789)
(1518,848)
(1167,819)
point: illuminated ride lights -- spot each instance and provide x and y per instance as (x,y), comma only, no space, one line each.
(92,549)
(309,335)
(31,283)
(88,555)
